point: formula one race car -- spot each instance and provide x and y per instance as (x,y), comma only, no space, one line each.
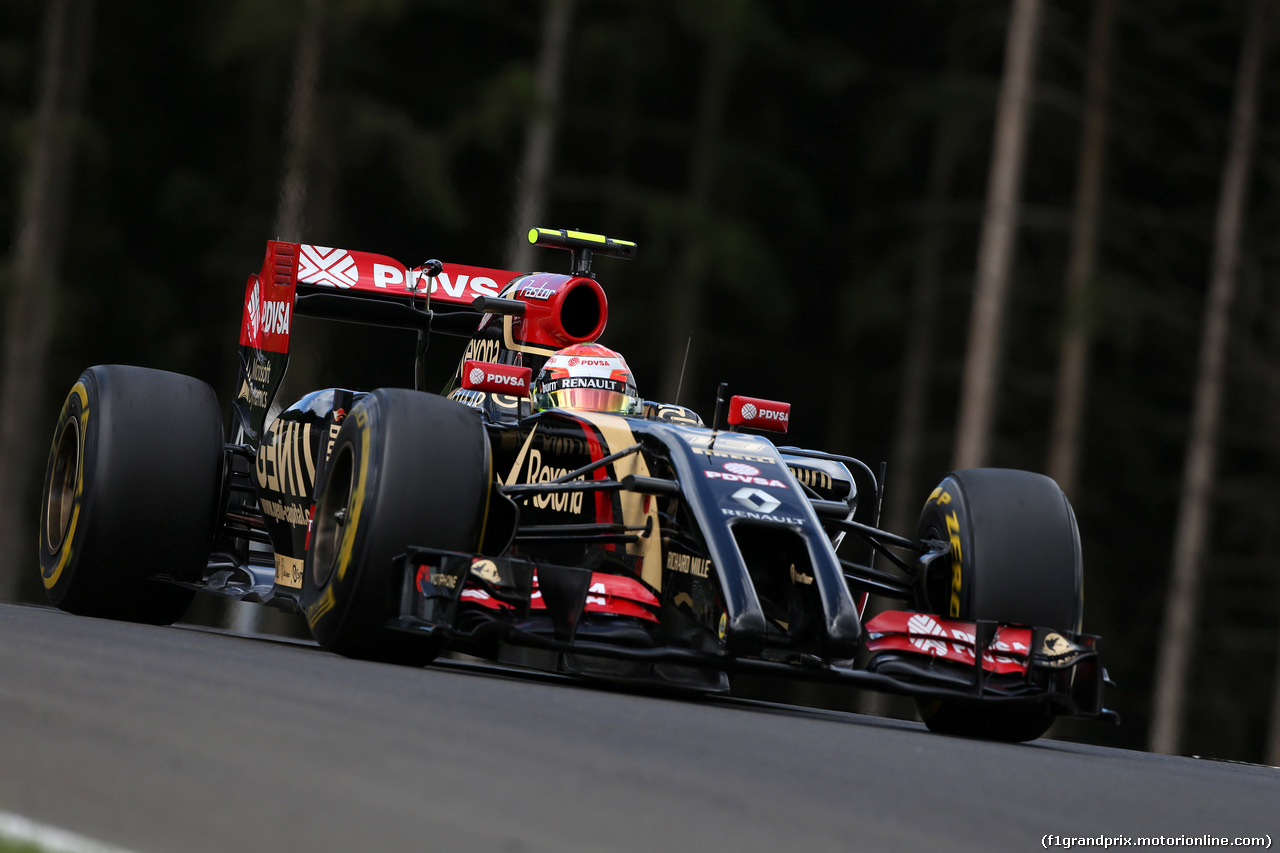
(539,513)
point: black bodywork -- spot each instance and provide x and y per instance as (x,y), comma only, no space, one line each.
(757,558)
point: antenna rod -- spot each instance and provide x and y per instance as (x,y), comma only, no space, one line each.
(680,384)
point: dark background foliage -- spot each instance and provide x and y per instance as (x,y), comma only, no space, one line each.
(802,246)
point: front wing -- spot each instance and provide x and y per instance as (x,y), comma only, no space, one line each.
(573,612)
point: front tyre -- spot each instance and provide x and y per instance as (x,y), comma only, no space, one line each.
(1015,557)
(130,494)
(407,468)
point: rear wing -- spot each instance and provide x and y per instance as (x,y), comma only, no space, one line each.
(358,273)
(534,314)
(339,284)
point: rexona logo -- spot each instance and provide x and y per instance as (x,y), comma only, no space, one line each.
(558,501)
(328,267)
(482,349)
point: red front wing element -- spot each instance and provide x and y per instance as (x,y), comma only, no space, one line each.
(496,378)
(949,639)
(755,413)
(613,595)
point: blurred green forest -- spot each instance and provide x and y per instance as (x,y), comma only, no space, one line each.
(793,200)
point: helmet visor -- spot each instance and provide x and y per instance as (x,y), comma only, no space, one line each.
(587,394)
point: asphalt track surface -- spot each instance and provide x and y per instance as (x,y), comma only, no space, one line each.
(181,739)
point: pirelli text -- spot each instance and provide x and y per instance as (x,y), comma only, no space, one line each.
(1199,841)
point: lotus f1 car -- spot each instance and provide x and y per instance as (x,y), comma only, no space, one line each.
(643,547)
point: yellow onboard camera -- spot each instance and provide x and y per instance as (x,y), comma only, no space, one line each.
(582,246)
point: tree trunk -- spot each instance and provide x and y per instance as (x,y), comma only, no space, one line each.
(1194,508)
(688,281)
(291,211)
(293,219)
(539,144)
(902,503)
(36,276)
(995,252)
(1073,356)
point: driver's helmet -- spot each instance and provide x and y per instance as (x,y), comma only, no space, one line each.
(587,377)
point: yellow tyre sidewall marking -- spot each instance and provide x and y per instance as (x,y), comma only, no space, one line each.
(68,540)
(356,506)
(327,601)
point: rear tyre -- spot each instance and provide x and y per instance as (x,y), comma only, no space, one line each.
(130,494)
(1015,557)
(407,468)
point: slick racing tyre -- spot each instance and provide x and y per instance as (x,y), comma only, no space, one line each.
(407,468)
(1015,557)
(130,494)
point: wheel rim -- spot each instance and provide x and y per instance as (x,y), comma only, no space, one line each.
(331,516)
(61,498)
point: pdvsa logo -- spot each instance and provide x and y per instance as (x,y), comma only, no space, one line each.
(275,318)
(739,472)
(922,628)
(255,312)
(329,267)
(495,378)
(751,413)
(499,379)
